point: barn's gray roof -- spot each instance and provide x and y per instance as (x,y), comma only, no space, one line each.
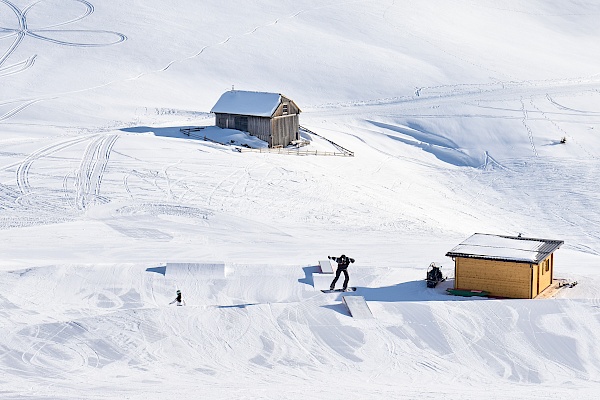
(240,102)
(505,248)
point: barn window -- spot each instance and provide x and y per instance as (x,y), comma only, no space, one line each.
(285,109)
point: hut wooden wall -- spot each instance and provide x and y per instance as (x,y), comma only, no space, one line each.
(284,130)
(535,281)
(500,278)
(261,128)
(222,121)
(545,274)
(292,108)
(257,126)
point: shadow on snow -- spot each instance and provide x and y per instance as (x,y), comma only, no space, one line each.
(308,275)
(172,132)
(159,270)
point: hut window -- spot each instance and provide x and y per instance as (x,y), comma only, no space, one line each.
(285,109)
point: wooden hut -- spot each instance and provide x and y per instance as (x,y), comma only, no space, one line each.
(271,117)
(504,266)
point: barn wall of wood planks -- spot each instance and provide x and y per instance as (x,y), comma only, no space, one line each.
(503,278)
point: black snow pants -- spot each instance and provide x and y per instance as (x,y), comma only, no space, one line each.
(337,276)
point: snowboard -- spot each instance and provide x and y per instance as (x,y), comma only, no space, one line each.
(350,289)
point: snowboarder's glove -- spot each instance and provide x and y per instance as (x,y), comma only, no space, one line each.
(351,260)
(331,258)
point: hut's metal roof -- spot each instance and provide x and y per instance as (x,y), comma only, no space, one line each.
(505,248)
(240,102)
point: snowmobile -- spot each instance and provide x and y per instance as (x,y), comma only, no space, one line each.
(434,275)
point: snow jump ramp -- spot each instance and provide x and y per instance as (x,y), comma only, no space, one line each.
(327,266)
(182,269)
(322,280)
(357,306)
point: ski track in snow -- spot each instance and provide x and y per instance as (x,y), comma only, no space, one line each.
(564,133)
(23,170)
(43,34)
(560,106)
(13,111)
(91,171)
(436,95)
(46,203)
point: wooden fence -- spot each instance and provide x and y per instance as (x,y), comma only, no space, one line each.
(295,152)
(343,152)
(188,132)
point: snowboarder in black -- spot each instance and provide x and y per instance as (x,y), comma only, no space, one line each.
(343,262)
(178,299)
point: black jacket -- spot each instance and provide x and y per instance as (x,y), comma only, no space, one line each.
(342,262)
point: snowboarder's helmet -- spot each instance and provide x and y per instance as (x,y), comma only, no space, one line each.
(343,256)
(179,291)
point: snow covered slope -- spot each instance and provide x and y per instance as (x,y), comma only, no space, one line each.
(455,111)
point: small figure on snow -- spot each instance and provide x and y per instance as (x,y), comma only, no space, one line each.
(178,299)
(343,262)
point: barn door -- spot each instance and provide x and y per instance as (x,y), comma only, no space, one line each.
(241,123)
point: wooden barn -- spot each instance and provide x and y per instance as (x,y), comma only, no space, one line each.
(271,117)
(504,266)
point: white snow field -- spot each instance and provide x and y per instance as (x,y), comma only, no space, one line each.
(455,111)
